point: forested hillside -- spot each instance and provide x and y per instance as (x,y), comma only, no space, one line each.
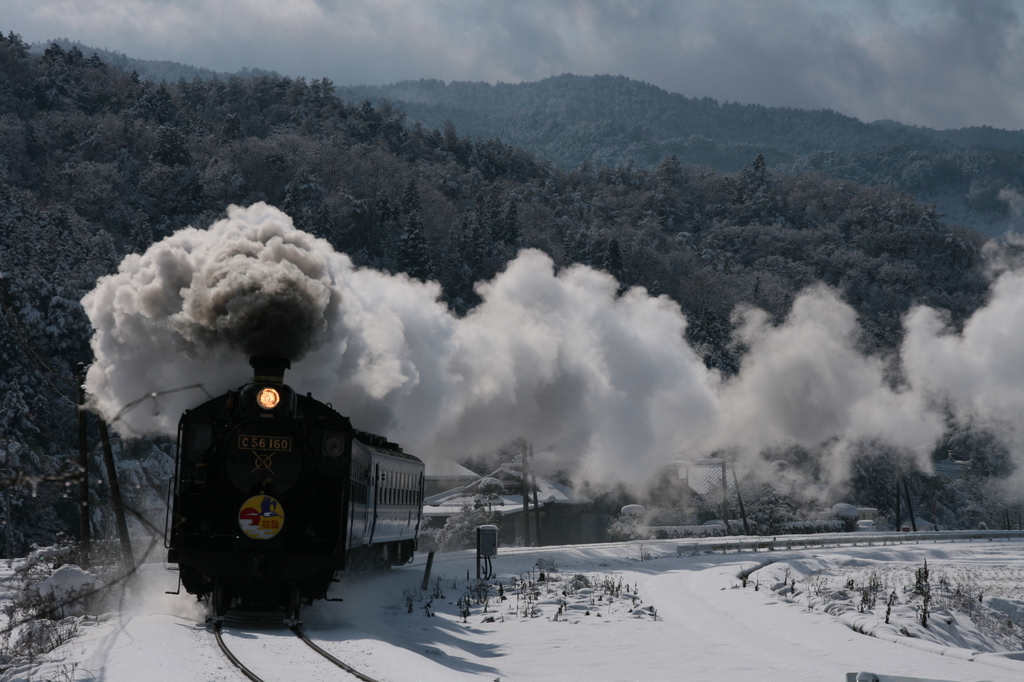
(96,163)
(975,174)
(148,69)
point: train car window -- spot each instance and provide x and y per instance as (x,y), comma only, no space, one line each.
(359,475)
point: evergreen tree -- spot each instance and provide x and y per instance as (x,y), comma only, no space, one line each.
(171,147)
(303,201)
(481,240)
(509,226)
(413,251)
(613,262)
(456,272)
(411,199)
(754,193)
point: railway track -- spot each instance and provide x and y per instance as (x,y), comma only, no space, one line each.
(297,631)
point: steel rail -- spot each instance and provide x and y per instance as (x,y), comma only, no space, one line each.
(344,666)
(231,657)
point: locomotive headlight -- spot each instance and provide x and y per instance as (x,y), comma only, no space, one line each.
(268,398)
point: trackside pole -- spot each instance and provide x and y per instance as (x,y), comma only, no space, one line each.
(84,525)
(426,571)
(115,496)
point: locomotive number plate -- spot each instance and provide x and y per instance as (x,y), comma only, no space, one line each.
(265,443)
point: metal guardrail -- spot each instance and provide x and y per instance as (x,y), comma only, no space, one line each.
(783,542)
(755,543)
(871,677)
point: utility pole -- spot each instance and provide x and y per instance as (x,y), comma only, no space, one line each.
(536,505)
(739,498)
(85,535)
(910,506)
(899,523)
(725,498)
(115,497)
(526,501)
(7,506)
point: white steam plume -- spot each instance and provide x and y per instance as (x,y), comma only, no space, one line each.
(804,382)
(978,373)
(1014,200)
(558,358)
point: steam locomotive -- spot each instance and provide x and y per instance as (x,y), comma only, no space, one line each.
(275,491)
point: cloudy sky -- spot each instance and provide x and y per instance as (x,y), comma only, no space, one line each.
(939,63)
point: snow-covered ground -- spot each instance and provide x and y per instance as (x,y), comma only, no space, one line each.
(606,612)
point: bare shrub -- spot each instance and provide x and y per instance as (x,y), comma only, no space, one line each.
(49,597)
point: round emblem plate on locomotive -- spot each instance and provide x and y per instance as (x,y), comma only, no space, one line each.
(261,517)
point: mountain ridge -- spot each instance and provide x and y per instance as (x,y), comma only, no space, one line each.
(613,121)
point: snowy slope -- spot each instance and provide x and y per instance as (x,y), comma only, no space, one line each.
(603,614)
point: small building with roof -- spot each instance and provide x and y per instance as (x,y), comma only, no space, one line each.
(444,474)
(563,515)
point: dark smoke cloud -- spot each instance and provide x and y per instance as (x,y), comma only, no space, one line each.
(250,285)
(262,291)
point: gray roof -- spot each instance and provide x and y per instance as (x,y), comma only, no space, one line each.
(504,495)
(446,468)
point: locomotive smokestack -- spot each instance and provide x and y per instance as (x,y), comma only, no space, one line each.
(268,370)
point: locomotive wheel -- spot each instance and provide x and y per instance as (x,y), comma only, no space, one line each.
(219,600)
(291,614)
(193,581)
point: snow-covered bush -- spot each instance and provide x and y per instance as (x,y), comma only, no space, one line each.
(48,599)
(846,513)
(628,525)
(808,527)
(429,539)
(459,531)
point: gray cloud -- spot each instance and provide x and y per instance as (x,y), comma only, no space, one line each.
(942,64)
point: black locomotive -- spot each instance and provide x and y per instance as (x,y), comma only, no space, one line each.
(274,492)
